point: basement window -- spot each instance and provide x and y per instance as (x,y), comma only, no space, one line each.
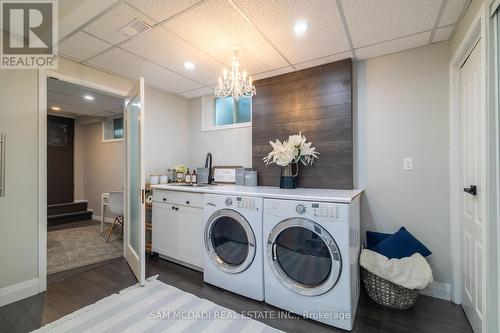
(112,130)
(226,113)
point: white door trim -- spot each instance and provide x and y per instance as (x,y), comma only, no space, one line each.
(494,153)
(43,75)
(478,30)
(471,38)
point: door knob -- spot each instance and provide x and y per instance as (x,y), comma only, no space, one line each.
(471,190)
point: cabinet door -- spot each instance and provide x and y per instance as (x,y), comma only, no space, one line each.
(165,230)
(190,232)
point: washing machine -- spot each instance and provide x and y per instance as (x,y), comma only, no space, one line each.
(311,252)
(232,256)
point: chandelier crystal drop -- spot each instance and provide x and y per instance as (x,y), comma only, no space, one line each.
(235,84)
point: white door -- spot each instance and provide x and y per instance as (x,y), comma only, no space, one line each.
(473,197)
(134,226)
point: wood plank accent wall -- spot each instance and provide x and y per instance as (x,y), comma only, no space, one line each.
(318,102)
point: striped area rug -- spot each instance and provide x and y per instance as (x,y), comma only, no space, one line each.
(156,307)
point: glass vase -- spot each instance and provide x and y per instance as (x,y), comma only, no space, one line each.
(287,177)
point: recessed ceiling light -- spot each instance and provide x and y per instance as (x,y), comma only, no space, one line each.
(300,28)
(88,97)
(188,65)
(56,108)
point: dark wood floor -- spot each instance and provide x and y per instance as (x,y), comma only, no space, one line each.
(76,291)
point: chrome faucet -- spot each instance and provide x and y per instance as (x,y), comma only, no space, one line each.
(208,164)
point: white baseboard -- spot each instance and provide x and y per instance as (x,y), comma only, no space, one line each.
(19,291)
(438,290)
(98,218)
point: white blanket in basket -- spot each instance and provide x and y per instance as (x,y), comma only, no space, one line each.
(412,272)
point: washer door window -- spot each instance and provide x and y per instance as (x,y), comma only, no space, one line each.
(229,241)
(304,256)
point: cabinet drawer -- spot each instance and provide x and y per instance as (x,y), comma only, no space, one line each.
(179,198)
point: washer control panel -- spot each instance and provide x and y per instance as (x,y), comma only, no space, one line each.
(300,209)
(246,203)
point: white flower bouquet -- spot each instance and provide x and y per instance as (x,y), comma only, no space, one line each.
(294,150)
(180,168)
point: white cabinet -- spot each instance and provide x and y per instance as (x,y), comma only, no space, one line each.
(190,235)
(164,229)
(178,228)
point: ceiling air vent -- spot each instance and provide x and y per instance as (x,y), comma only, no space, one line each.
(135,27)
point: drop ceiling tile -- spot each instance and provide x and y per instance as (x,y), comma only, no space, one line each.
(72,94)
(126,64)
(393,46)
(324,60)
(452,11)
(161,9)
(216,25)
(108,26)
(275,72)
(99,104)
(81,46)
(163,47)
(75,13)
(205,91)
(105,114)
(70,108)
(276,19)
(442,34)
(374,21)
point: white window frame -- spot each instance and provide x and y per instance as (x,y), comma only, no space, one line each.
(103,126)
(207,114)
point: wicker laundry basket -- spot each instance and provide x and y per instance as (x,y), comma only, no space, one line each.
(387,293)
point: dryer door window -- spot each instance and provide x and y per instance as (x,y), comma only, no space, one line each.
(229,241)
(304,256)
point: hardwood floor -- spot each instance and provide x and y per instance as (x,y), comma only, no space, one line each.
(87,287)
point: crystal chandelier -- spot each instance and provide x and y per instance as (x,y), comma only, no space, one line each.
(235,84)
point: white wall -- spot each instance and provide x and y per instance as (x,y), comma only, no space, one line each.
(402,111)
(102,165)
(229,147)
(167,134)
(19,207)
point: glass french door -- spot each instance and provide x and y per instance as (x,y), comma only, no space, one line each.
(134,226)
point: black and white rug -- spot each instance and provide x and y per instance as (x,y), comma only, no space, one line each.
(156,307)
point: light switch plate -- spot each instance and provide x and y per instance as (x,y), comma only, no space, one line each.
(408,164)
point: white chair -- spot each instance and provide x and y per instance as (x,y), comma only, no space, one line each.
(115,206)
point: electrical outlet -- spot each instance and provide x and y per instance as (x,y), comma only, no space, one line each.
(408,164)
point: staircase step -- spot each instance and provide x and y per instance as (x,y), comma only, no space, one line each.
(69,217)
(70,207)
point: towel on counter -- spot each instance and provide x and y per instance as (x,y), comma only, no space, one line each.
(411,272)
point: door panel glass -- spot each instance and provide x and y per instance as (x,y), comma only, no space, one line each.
(303,256)
(133,119)
(229,240)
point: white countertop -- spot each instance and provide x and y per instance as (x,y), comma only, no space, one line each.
(340,196)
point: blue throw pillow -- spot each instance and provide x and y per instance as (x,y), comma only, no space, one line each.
(373,238)
(400,245)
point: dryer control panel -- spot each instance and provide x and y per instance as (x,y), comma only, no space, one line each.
(320,211)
